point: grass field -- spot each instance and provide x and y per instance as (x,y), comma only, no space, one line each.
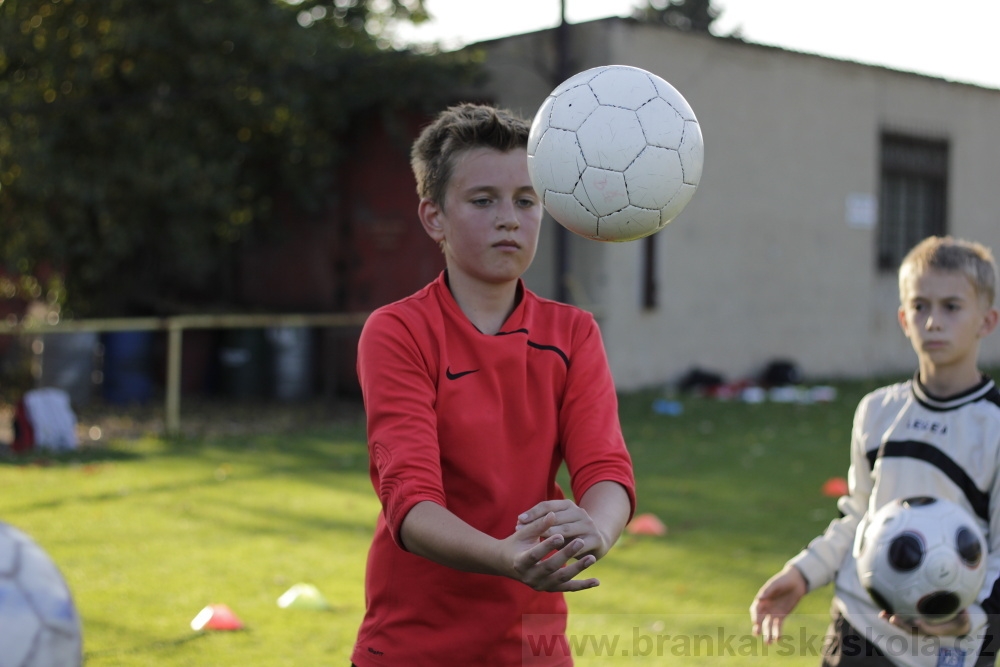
(148,531)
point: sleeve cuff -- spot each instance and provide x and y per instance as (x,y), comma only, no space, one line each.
(812,570)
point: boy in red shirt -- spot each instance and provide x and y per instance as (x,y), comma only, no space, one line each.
(476,392)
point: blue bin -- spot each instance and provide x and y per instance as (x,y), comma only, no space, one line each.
(127,366)
(291,350)
(243,363)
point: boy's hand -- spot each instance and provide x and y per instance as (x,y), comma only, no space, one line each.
(956,627)
(774,601)
(571,521)
(541,558)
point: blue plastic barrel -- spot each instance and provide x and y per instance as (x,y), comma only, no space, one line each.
(291,362)
(127,366)
(243,363)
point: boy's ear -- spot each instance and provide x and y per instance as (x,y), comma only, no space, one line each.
(901,316)
(430,217)
(989,322)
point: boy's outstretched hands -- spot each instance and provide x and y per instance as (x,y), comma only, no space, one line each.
(774,601)
(542,557)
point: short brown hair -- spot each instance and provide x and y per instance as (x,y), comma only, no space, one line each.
(458,128)
(945,253)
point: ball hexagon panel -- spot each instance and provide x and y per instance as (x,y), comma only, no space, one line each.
(571,108)
(579,79)
(630,222)
(539,129)
(611,138)
(44,587)
(662,124)
(626,87)
(674,99)
(653,177)
(54,648)
(17,619)
(692,151)
(941,569)
(557,161)
(9,549)
(677,204)
(580,193)
(605,191)
(568,207)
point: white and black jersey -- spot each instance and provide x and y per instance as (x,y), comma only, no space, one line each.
(906,442)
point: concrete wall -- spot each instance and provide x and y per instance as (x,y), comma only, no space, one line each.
(763,263)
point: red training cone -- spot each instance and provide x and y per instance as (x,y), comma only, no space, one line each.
(835,487)
(646,524)
(216,617)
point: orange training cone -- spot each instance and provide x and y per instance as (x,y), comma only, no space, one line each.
(835,487)
(646,524)
(216,617)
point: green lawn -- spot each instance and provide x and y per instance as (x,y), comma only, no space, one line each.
(148,531)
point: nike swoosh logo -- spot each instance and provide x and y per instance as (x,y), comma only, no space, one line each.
(455,376)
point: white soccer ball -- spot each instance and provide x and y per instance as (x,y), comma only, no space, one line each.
(39,625)
(922,558)
(615,153)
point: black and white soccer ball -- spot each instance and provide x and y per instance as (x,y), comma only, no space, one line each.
(39,625)
(615,153)
(923,558)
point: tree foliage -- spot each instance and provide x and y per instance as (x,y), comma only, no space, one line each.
(690,15)
(141,139)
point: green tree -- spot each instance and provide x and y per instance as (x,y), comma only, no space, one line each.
(140,140)
(692,15)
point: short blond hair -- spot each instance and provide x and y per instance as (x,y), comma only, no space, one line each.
(946,253)
(461,128)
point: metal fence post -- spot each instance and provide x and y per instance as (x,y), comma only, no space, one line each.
(175,332)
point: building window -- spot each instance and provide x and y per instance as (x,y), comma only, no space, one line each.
(913,198)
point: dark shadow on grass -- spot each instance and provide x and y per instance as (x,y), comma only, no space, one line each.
(187,485)
(81,456)
(315,468)
(160,645)
(216,478)
(239,516)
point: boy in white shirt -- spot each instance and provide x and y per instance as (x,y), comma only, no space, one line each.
(937,434)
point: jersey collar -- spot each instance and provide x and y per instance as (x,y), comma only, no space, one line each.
(928,400)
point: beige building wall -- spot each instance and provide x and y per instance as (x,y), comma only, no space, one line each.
(767,261)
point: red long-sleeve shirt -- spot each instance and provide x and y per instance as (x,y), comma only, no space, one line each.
(480,425)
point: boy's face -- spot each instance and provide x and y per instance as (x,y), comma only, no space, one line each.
(488,226)
(944,319)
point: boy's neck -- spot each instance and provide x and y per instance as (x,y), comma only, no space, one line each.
(486,305)
(946,382)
